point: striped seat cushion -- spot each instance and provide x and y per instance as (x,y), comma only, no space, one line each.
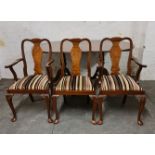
(119,82)
(74,83)
(33,82)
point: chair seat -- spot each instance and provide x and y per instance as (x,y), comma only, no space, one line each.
(31,83)
(119,82)
(74,83)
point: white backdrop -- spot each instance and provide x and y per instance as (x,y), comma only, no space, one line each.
(11,34)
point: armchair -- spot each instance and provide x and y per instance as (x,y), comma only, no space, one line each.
(37,83)
(117,83)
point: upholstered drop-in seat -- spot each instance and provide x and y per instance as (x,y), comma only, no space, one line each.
(74,83)
(37,83)
(119,82)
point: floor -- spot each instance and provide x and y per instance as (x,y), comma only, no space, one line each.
(76,115)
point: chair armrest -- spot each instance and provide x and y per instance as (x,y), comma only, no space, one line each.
(14,63)
(141,66)
(10,66)
(48,64)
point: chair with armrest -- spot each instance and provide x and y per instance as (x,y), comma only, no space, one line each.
(37,83)
(117,83)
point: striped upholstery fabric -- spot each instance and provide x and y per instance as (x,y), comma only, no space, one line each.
(74,83)
(33,82)
(119,82)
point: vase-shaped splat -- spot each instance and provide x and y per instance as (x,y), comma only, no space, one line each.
(37,58)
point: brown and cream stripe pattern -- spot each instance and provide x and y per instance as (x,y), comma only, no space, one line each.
(74,83)
(119,82)
(33,82)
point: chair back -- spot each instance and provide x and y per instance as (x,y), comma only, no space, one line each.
(115,53)
(76,53)
(37,53)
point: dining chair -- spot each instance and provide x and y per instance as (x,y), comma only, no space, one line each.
(38,81)
(117,82)
(72,82)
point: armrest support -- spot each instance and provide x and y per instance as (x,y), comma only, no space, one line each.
(49,70)
(10,66)
(141,66)
(97,77)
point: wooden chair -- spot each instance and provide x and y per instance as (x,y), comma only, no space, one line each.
(116,83)
(37,83)
(75,83)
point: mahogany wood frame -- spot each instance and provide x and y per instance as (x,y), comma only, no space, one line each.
(140,94)
(45,93)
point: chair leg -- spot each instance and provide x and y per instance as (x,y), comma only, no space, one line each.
(48,102)
(31,97)
(65,100)
(100,106)
(141,109)
(9,100)
(54,105)
(88,99)
(124,100)
(94,109)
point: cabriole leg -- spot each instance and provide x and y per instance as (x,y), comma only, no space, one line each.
(54,105)
(9,100)
(94,109)
(100,106)
(142,102)
(48,103)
